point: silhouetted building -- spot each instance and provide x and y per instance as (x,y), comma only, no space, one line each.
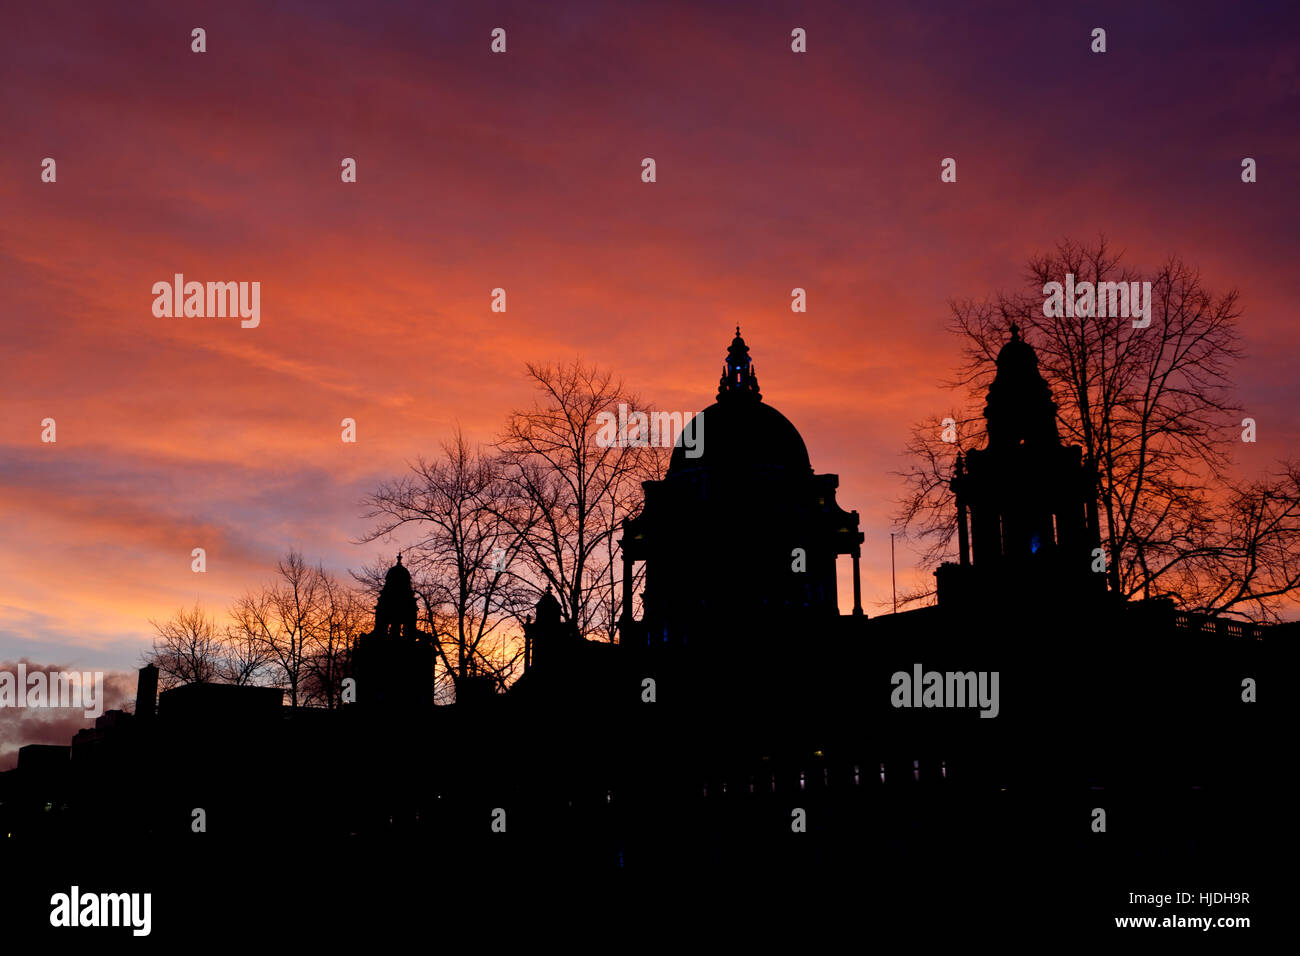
(146,693)
(1026,503)
(549,641)
(38,758)
(210,702)
(393,664)
(740,696)
(742,538)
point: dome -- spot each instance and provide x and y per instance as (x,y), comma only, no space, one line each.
(1017,356)
(547,608)
(738,430)
(744,435)
(1019,408)
(397,575)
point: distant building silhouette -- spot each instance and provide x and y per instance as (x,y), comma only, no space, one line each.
(740,695)
(393,664)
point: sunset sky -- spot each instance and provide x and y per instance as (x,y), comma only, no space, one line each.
(522,171)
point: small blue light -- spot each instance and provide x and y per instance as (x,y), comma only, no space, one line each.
(1033,544)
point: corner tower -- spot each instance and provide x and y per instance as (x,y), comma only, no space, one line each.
(1026,503)
(393,664)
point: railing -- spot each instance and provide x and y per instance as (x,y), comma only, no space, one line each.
(1220,626)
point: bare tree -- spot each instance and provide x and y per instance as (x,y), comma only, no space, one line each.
(1151,408)
(464,557)
(1253,561)
(304,623)
(574,490)
(187,649)
(244,660)
(341,620)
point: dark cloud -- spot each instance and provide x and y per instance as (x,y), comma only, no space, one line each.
(54,725)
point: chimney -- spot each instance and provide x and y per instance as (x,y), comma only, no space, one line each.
(146,693)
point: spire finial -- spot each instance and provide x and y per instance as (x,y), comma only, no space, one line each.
(1015,332)
(738,376)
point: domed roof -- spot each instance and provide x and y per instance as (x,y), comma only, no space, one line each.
(739,430)
(397,574)
(743,435)
(1019,408)
(547,608)
(1017,356)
